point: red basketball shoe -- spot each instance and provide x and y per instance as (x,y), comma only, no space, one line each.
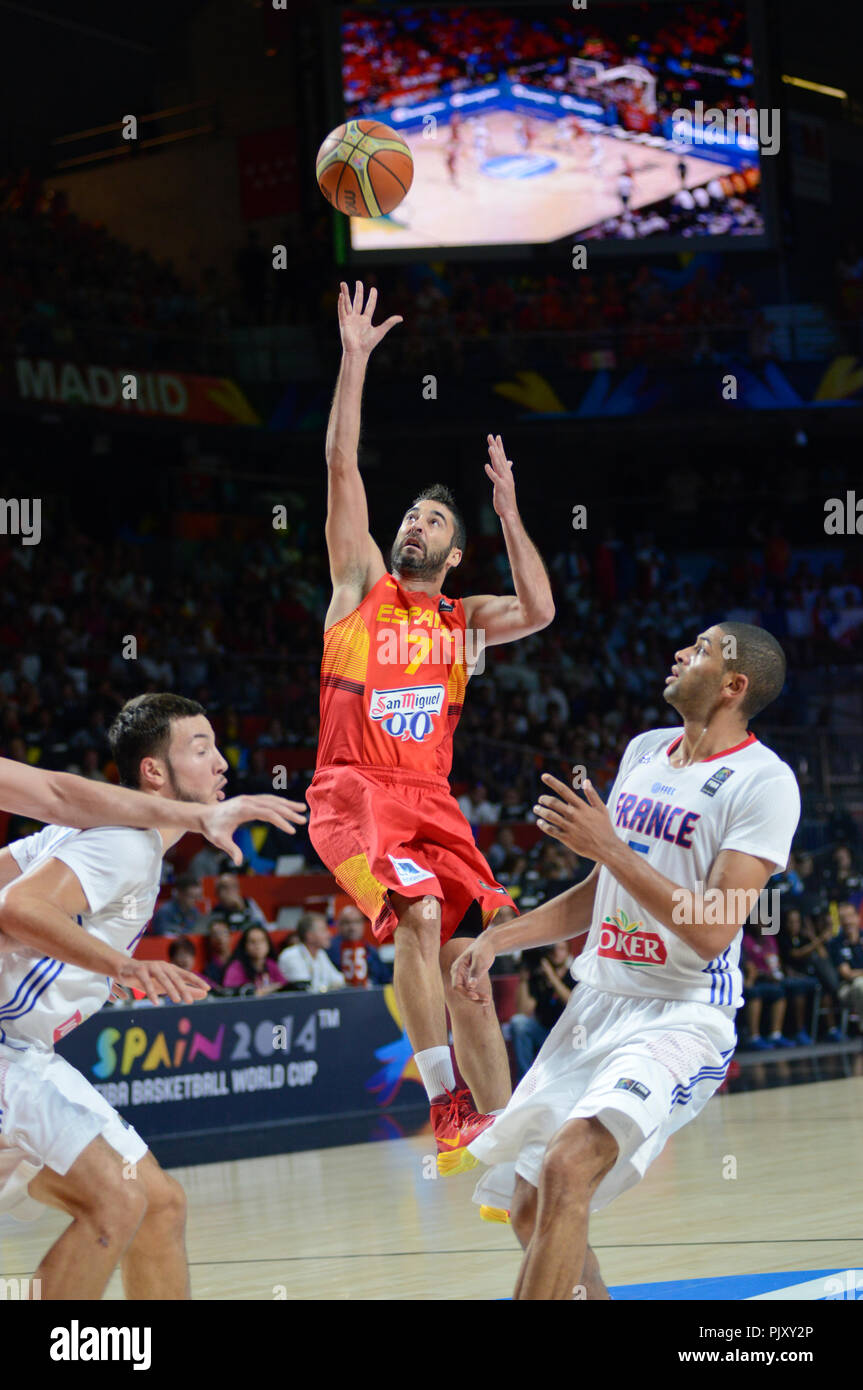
(455,1124)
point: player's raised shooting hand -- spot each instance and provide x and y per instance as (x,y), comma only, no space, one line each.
(583,825)
(219,822)
(157,977)
(471,967)
(499,469)
(359,335)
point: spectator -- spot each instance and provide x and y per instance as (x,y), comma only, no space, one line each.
(511,875)
(846,951)
(231,907)
(761,983)
(503,849)
(350,953)
(181,952)
(90,766)
(841,825)
(253,964)
(806,950)
(557,868)
(208,862)
(308,961)
(788,881)
(179,916)
(513,806)
(813,899)
(844,882)
(543,990)
(765,982)
(549,696)
(476,808)
(218,951)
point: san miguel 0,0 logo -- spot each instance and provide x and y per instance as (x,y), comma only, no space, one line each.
(407,713)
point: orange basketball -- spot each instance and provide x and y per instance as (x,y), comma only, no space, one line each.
(364,168)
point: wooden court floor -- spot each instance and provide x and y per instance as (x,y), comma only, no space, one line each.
(364,1222)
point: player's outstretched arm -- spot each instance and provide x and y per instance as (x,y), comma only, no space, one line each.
(505,617)
(355,561)
(569,914)
(63,798)
(220,822)
(37,911)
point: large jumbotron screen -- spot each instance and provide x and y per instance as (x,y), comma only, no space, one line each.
(534,124)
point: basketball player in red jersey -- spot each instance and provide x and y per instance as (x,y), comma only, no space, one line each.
(451,157)
(398,655)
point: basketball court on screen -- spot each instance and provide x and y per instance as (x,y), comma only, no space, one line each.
(515,204)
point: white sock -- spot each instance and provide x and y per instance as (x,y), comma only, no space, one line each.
(435,1068)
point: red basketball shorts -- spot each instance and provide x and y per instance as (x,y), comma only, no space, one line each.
(380,830)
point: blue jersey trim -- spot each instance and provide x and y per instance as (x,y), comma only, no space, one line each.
(36,989)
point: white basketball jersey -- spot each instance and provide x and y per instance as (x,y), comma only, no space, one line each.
(42,999)
(745,798)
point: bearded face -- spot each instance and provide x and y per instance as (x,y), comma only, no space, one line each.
(423,541)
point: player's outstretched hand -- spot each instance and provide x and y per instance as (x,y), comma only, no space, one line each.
(156,977)
(500,472)
(584,826)
(219,822)
(359,335)
(469,969)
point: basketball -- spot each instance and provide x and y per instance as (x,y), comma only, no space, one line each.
(364,168)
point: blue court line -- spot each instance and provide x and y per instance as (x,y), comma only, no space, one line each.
(733,1286)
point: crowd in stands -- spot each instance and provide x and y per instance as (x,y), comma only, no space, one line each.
(809,953)
(717,209)
(66,284)
(237,625)
(70,290)
(479,315)
(410,53)
(313,958)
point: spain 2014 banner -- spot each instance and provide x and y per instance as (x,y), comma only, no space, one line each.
(219,1070)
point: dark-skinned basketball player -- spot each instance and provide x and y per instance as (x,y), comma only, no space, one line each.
(398,654)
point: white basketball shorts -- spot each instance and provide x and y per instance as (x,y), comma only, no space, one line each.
(49,1113)
(642,1067)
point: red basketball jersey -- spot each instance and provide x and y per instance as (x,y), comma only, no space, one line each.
(393,679)
(354,963)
